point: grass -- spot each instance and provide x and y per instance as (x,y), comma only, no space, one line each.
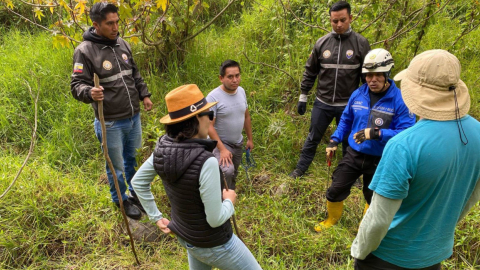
(59,215)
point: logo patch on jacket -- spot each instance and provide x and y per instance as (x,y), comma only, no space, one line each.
(349,54)
(379,122)
(107,65)
(326,54)
(78,68)
(410,114)
(125,58)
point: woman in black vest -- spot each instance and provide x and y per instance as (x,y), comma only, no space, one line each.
(201,211)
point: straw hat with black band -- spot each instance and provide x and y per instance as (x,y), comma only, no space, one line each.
(183,103)
(431,86)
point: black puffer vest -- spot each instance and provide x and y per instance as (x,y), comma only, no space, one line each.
(179,166)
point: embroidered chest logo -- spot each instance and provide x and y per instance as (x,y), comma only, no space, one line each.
(379,122)
(349,54)
(107,65)
(125,58)
(326,54)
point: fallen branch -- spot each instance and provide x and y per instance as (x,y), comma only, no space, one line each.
(32,142)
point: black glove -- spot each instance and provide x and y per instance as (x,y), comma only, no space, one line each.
(366,134)
(301,107)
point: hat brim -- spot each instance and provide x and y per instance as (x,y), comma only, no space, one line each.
(400,75)
(433,104)
(168,121)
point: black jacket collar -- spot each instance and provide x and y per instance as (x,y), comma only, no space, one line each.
(90,35)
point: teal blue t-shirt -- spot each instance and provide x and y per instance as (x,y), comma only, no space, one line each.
(428,167)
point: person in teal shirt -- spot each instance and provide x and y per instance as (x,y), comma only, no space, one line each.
(428,177)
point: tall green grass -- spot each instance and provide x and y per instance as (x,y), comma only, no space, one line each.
(59,215)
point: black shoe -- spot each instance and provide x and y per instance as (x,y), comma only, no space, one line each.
(134,199)
(296,173)
(130,210)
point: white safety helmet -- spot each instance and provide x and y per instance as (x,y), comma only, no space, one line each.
(378,60)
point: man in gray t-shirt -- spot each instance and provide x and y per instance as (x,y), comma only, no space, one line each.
(231,117)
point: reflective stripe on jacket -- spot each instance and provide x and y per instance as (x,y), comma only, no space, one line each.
(390,115)
(337,62)
(123,85)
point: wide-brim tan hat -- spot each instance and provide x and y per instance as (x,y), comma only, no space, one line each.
(183,103)
(428,83)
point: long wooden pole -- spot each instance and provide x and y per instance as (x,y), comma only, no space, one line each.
(110,165)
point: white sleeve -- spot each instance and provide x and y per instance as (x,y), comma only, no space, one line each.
(374,225)
(216,210)
(141,183)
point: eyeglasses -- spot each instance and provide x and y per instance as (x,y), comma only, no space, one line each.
(209,113)
(376,65)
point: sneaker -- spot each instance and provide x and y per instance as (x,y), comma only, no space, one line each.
(296,173)
(134,199)
(130,210)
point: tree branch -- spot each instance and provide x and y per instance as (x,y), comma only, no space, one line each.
(209,23)
(394,36)
(28,20)
(160,19)
(361,11)
(38,5)
(300,20)
(74,17)
(264,64)
(378,17)
(32,143)
(467,30)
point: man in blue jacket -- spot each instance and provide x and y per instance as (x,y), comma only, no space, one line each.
(374,114)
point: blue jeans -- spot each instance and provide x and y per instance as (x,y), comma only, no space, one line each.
(124,137)
(233,255)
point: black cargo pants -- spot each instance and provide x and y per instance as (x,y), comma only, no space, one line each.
(352,165)
(372,262)
(322,116)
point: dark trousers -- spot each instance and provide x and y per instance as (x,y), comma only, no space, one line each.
(352,165)
(372,262)
(230,172)
(322,116)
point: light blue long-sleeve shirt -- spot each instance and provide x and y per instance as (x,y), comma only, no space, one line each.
(217,212)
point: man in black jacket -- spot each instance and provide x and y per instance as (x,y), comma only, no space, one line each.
(336,60)
(103,52)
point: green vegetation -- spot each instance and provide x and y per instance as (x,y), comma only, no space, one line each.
(59,215)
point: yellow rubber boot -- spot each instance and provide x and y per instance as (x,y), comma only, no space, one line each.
(366,208)
(334,210)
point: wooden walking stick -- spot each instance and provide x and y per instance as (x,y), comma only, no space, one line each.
(233,216)
(329,164)
(110,165)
